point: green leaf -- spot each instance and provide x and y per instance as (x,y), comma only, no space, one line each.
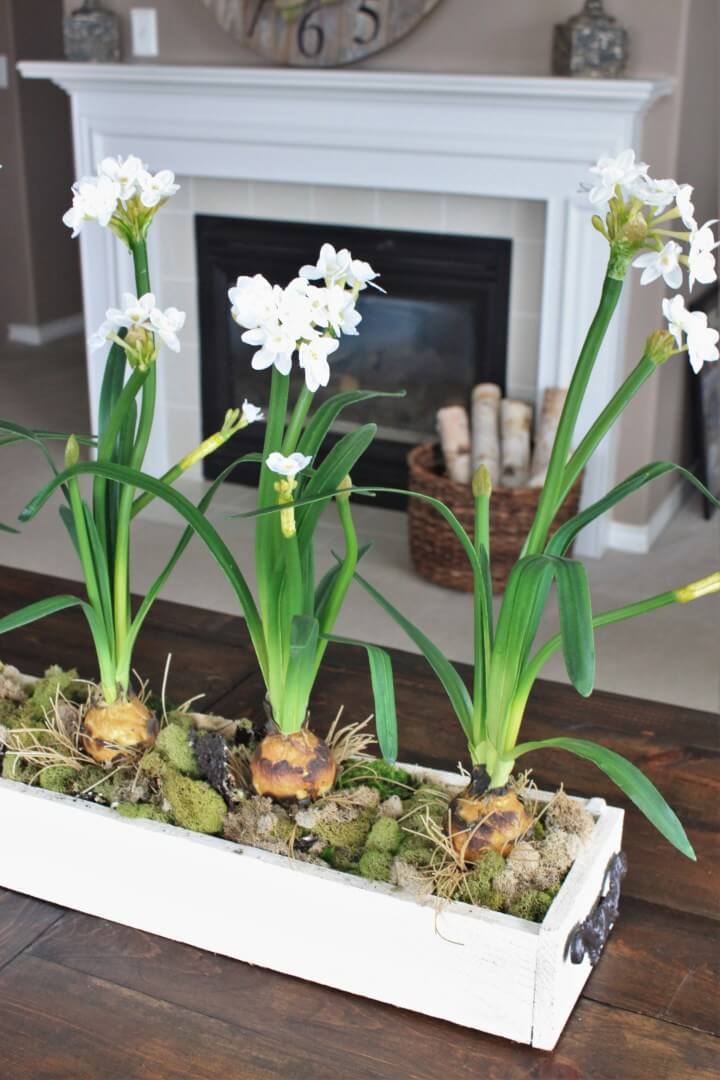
(383,688)
(324,481)
(112,384)
(20,433)
(39,610)
(329,411)
(325,585)
(641,791)
(576,624)
(300,674)
(565,535)
(214,542)
(454,687)
(9,529)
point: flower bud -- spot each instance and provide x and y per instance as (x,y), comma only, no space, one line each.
(634,230)
(697,589)
(481,482)
(343,486)
(72,452)
(660,346)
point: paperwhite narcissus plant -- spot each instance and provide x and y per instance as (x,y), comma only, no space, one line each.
(287,466)
(664,263)
(124,196)
(303,318)
(702,340)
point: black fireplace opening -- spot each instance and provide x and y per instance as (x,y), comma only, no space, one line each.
(441,327)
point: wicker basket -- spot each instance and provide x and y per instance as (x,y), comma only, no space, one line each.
(435,550)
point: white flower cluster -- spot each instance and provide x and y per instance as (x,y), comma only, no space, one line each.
(140,316)
(118,180)
(302,317)
(667,201)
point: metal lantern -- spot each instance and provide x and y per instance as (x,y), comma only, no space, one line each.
(92,34)
(591,44)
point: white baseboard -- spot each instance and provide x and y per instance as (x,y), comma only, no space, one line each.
(640,538)
(45,333)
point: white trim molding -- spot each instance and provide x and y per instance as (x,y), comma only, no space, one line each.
(639,539)
(45,333)
(478,135)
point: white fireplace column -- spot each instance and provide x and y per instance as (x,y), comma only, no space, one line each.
(499,136)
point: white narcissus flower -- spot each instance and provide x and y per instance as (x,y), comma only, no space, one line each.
(166,325)
(157,188)
(361,274)
(276,346)
(314,361)
(656,193)
(702,340)
(94,199)
(331,266)
(684,204)
(287,466)
(701,260)
(251,413)
(664,263)
(124,172)
(254,301)
(341,313)
(622,170)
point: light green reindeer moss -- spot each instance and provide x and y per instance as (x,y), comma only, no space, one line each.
(58,778)
(144,811)
(375,864)
(385,835)
(348,835)
(173,743)
(194,804)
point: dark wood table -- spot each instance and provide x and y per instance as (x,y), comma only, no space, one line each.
(84,998)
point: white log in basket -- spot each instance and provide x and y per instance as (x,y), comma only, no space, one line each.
(478,968)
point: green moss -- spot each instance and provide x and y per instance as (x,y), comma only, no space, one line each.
(339,859)
(145,811)
(13,713)
(195,805)
(174,744)
(427,802)
(95,778)
(415,850)
(539,831)
(45,690)
(177,717)
(385,778)
(58,778)
(153,764)
(348,835)
(375,865)
(14,768)
(385,835)
(532,905)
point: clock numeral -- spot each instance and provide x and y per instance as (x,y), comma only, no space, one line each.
(373,29)
(311,36)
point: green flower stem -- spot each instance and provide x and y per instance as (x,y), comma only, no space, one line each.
(550,498)
(297,420)
(482,608)
(637,377)
(107,676)
(121,575)
(344,578)
(535,665)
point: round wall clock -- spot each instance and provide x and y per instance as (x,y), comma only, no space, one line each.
(318,33)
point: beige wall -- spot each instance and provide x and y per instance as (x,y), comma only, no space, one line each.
(39,271)
(668,37)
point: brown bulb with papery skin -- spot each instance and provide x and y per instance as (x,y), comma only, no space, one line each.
(293,768)
(112,732)
(482,820)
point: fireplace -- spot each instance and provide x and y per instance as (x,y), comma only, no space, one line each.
(441,328)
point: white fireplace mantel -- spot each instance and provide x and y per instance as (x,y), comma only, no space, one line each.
(482,135)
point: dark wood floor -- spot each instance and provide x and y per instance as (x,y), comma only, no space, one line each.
(84,998)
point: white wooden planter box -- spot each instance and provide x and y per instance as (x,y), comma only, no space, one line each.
(482,969)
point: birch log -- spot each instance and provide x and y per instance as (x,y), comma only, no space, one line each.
(485,430)
(454,429)
(515,424)
(552,406)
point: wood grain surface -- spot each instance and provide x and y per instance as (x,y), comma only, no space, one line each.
(84,998)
